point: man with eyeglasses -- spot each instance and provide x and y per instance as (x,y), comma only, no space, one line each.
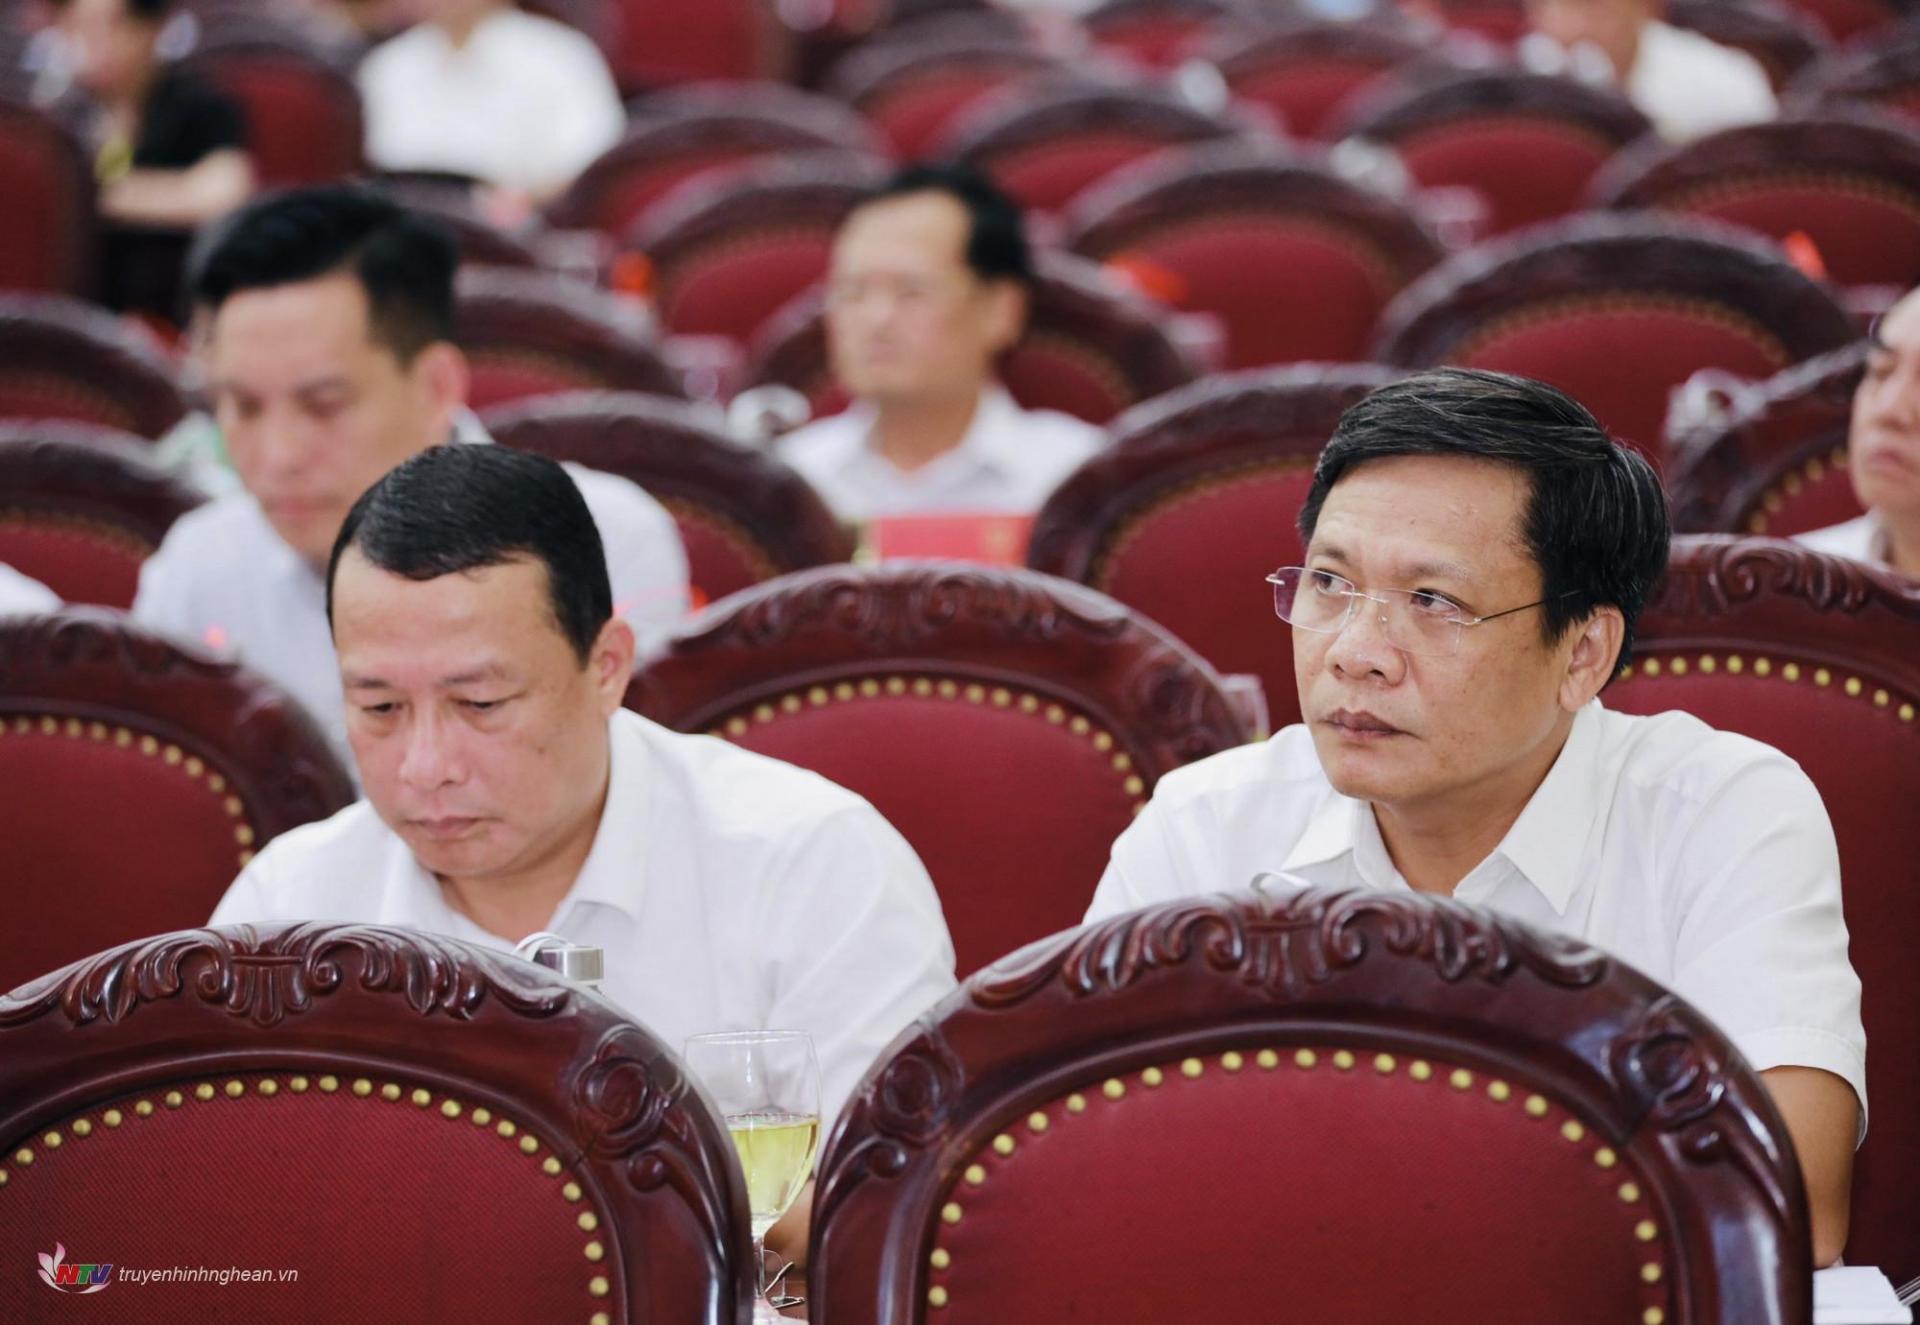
(1477,552)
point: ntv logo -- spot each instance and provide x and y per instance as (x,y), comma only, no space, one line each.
(78,1278)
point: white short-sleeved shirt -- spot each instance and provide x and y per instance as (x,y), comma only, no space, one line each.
(526,102)
(225,581)
(1862,538)
(1702,858)
(1690,86)
(23,593)
(729,891)
(1008,462)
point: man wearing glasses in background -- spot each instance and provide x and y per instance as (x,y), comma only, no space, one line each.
(1477,552)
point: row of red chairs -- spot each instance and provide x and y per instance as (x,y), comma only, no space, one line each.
(1089,1130)
(1062,687)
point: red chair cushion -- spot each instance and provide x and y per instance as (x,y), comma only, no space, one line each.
(1526,168)
(1857,752)
(1306,95)
(1395,1199)
(1047,176)
(1801,503)
(41,245)
(1052,372)
(1867,232)
(500,376)
(1019,797)
(660,43)
(914,116)
(732,291)
(1289,289)
(1197,564)
(721,556)
(303,120)
(82,563)
(29,394)
(177,839)
(384,1210)
(1623,358)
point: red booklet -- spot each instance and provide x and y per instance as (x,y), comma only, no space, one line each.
(997,539)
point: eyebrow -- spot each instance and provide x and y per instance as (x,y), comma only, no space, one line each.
(1451,570)
(489,672)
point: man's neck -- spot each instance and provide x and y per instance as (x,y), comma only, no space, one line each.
(522,902)
(461,27)
(911,434)
(1903,543)
(1436,844)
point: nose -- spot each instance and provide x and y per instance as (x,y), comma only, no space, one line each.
(1360,647)
(431,758)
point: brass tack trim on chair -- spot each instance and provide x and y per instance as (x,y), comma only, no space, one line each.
(976,1175)
(1853,686)
(268,1088)
(192,766)
(1132,785)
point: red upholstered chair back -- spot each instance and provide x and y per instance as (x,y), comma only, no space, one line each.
(1195,502)
(1820,657)
(1502,22)
(304,122)
(693,132)
(1883,73)
(663,43)
(47,230)
(1528,144)
(136,779)
(1617,311)
(1783,39)
(1851,185)
(1305,73)
(532,334)
(1846,20)
(63,359)
(1046,146)
(1156,34)
(81,508)
(913,92)
(401,1126)
(1778,463)
(729,253)
(1316,1106)
(1091,348)
(1295,260)
(1009,724)
(743,515)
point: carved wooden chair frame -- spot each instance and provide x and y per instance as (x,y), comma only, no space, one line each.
(1599,1056)
(1732,477)
(505,316)
(371,1015)
(82,351)
(102,484)
(750,500)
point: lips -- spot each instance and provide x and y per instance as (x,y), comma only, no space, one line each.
(445,828)
(1360,724)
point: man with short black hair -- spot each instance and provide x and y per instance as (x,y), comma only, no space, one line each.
(1883,449)
(928,289)
(330,359)
(1478,550)
(508,792)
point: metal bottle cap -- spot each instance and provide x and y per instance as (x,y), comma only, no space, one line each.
(575,961)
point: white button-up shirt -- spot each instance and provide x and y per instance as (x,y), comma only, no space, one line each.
(729,891)
(1008,462)
(1861,538)
(223,580)
(1690,86)
(1702,858)
(23,593)
(526,102)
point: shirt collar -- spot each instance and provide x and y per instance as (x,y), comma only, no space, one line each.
(612,875)
(991,436)
(1543,846)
